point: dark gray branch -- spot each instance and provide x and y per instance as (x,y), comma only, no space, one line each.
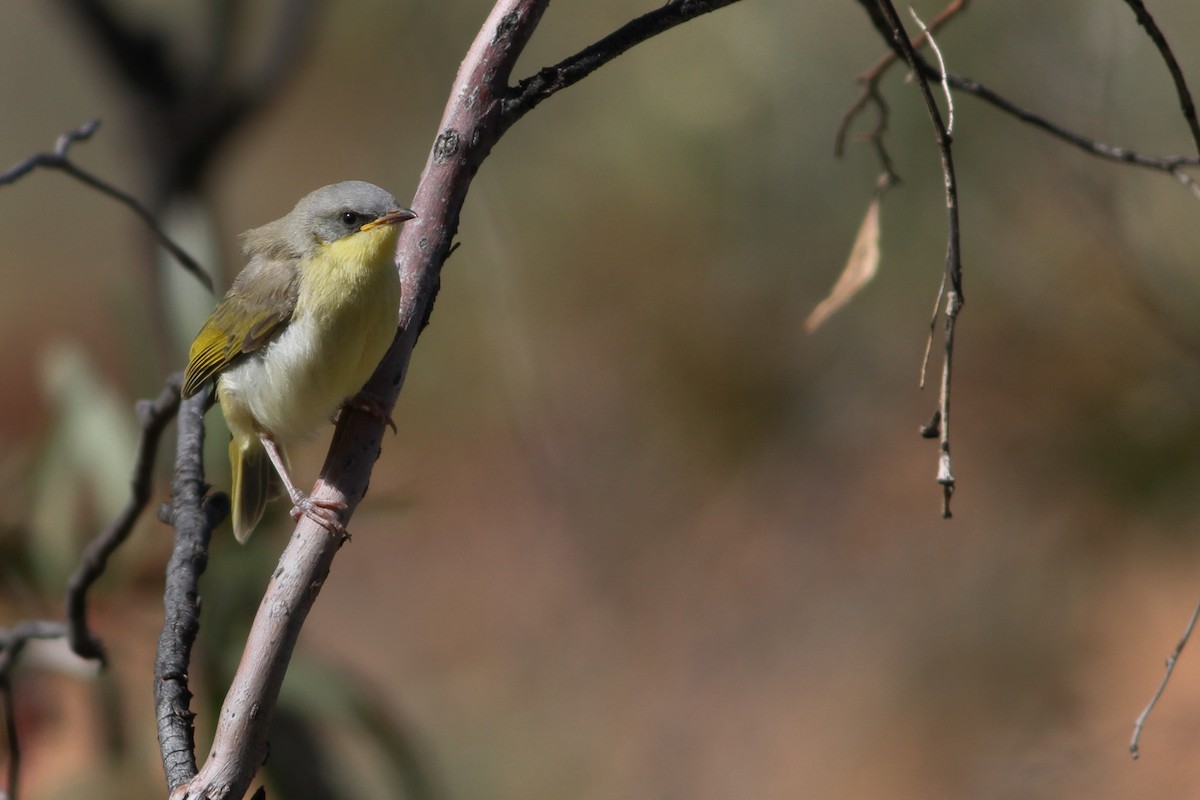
(193,516)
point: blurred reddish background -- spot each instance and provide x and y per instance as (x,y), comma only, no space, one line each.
(639,536)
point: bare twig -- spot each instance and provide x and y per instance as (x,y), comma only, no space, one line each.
(870,81)
(933,45)
(1162,686)
(59,159)
(1172,165)
(153,417)
(952,282)
(876,138)
(193,517)
(934,426)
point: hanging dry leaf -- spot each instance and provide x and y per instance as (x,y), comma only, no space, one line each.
(860,269)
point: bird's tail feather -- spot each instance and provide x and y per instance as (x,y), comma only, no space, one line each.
(253,483)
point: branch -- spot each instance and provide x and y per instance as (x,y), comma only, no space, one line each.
(469,129)
(153,417)
(61,161)
(193,517)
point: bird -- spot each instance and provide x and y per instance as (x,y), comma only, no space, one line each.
(300,330)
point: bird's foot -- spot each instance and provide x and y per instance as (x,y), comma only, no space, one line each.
(373,405)
(322,512)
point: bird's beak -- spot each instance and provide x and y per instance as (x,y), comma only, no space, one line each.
(390,218)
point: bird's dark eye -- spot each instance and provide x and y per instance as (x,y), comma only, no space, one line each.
(350,218)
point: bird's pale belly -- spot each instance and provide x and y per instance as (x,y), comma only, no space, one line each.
(293,385)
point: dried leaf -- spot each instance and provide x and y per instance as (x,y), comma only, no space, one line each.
(859,270)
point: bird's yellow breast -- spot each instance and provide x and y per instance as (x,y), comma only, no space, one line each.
(345,319)
(343,271)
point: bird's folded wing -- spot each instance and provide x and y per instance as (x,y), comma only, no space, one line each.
(258,306)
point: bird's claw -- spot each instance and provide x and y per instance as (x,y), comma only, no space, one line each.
(322,512)
(371,404)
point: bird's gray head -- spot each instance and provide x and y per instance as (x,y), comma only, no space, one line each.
(325,215)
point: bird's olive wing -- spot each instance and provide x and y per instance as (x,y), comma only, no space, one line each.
(257,307)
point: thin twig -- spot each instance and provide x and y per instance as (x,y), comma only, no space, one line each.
(60,160)
(153,417)
(952,280)
(945,474)
(852,111)
(937,307)
(1162,686)
(870,79)
(1172,165)
(877,138)
(933,45)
